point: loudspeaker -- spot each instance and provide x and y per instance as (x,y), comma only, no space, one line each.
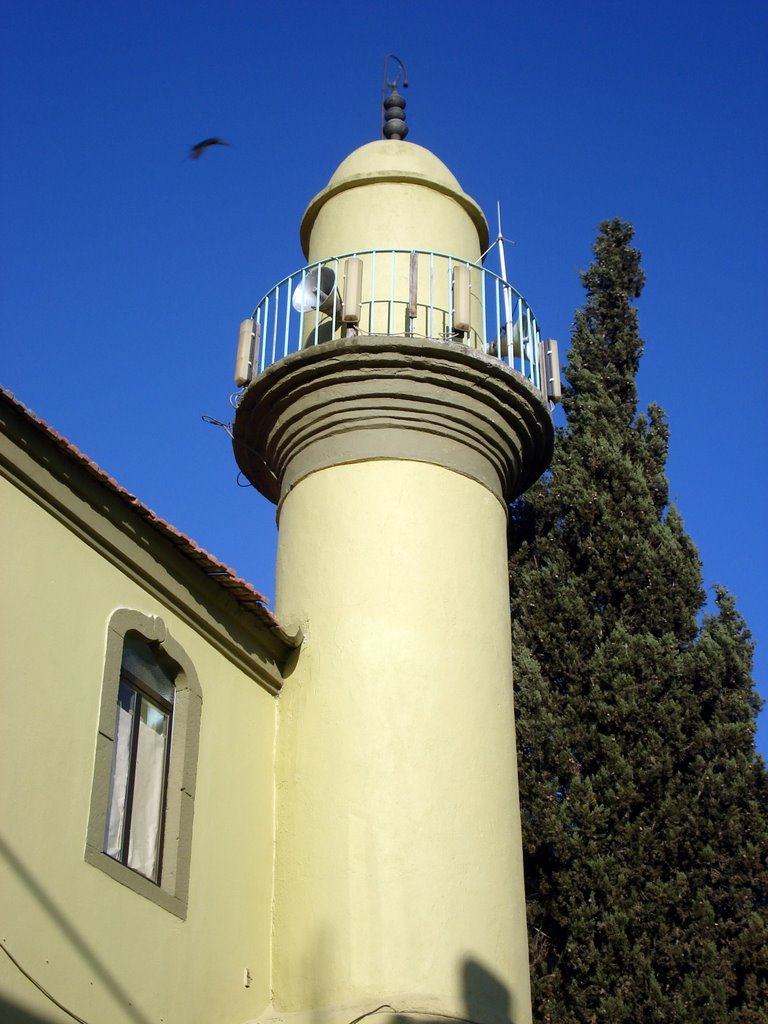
(317,291)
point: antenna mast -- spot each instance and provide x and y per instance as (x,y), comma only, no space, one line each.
(507,294)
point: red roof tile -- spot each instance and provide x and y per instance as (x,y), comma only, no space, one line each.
(221,574)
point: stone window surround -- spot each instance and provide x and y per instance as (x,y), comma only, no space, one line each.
(172,891)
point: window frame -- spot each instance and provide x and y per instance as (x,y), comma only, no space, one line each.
(171,890)
(143,692)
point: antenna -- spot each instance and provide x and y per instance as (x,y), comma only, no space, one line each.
(393,124)
(499,239)
(500,242)
(503,266)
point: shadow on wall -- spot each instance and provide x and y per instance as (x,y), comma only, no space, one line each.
(487,1000)
(93,965)
(10,1013)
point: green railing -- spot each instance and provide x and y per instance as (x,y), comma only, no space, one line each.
(396,292)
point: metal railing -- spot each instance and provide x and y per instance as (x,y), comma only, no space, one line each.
(398,292)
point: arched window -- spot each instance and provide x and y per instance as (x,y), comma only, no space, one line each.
(140,826)
(140,755)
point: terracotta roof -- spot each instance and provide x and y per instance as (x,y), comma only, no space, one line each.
(217,571)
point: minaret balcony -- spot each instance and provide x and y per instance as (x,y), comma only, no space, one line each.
(412,294)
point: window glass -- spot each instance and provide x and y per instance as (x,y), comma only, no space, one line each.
(141,662)
(121,758)
(133,833)
(148,790)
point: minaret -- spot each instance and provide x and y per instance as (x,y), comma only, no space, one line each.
(392,407)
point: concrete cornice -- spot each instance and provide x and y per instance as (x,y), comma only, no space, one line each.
(100,516)
(379,397)
(408,178)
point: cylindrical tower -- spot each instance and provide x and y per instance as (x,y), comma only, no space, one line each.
(392,455)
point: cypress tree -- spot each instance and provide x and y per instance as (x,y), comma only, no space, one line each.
(644,806)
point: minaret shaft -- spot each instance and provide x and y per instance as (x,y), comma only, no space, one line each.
(398,842)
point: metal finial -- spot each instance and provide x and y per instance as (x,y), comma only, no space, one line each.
(393,108)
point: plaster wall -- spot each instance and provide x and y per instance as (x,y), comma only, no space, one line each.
(393,215)
(101,949)
(398,853)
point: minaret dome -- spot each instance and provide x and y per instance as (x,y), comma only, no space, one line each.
(393,195)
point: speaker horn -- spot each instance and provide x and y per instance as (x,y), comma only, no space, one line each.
(317,291)
(500,346)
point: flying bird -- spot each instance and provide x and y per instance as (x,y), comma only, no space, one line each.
(195,152)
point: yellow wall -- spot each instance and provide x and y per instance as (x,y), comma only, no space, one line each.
(390,215)
(104,951)
(398,853)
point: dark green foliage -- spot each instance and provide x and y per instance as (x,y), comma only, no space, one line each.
(644,807)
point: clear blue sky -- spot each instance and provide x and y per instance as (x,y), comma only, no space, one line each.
(127,268)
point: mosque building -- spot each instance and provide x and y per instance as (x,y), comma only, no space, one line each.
(217,814)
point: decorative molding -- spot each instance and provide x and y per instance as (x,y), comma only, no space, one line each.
(102,520)
(173,888)
(380,397)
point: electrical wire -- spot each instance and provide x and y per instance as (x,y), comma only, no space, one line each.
(40,987)
(355,1020)
(369,1013)
(226,427)
(408,1013)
